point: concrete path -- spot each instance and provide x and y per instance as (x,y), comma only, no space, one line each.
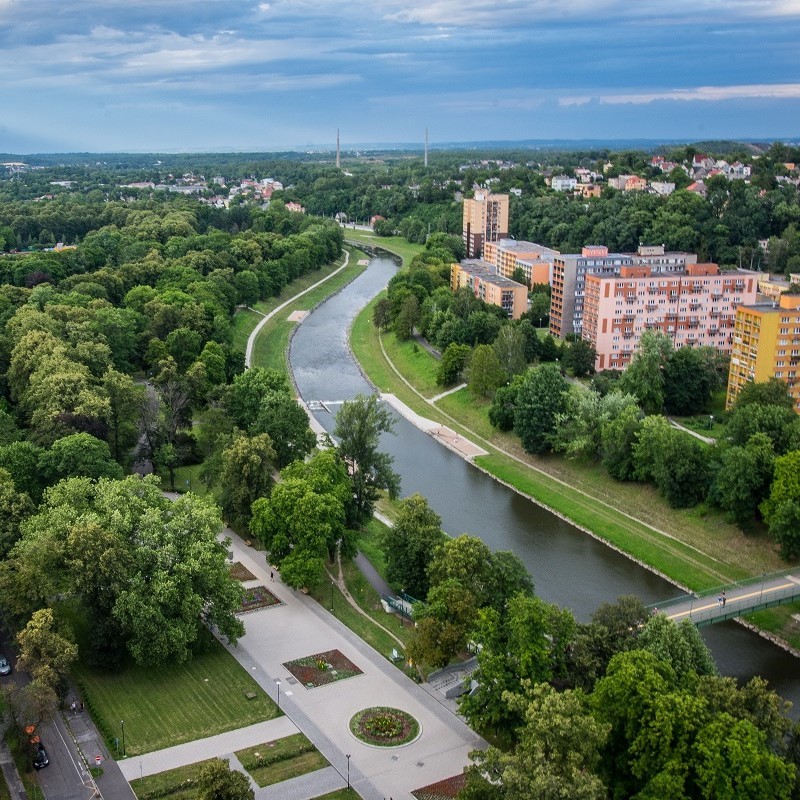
(676,424)
(300,628)
(449,391)
(373,576)
(220,745)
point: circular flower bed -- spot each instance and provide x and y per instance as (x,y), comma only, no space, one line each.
(384,727)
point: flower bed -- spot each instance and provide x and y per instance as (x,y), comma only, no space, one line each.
(322,668)
(239,572)
(257,597)
(441,790)
(384,727)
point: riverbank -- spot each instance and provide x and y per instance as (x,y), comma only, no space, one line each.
(694,549)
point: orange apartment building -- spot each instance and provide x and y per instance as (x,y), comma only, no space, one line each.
(482,280)
(535,260)
(766,344)
(570,271)
(485,219)
(694,307)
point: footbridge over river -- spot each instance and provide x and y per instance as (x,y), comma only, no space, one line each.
(733,600)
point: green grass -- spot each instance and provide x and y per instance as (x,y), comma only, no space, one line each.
(244,321)
(779,621)
(412,359)
(169,784)
(273,762)
(340,794)
(174,703)
(370,543)
(394,244)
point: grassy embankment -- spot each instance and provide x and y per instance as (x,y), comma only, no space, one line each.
(394,244)
(696,547)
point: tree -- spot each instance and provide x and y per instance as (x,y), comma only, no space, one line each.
(78,455)
(617,439)
(286,423)
(407,317)
(245,394)
(410,543)
(579,357)
(504,405)
(359,424)
(540,399)
(216,781)
(125,403)
(510,349)
(15,507)
(773,420)
(452,363)
(539,311)
(687,382)
(679,645)
(558,752)
(644,377)
(246,473)
(743,478)
(485,373)
(773,392)
(46,650)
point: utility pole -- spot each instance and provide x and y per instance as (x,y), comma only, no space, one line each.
(338,152)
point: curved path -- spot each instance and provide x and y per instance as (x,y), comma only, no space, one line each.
(251,339)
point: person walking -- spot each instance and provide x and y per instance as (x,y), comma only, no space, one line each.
(719,600)
(724,599)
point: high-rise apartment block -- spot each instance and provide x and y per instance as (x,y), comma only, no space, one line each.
(766,344)
(508,255)
(694,306)
(485,220)
(570,271)
(483,281)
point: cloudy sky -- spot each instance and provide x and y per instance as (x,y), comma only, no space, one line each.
(145,75)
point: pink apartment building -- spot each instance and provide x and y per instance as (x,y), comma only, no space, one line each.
(694,307)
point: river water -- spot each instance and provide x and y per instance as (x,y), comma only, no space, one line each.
(569,567)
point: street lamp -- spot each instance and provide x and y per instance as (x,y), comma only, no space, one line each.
(331,595)
(122,725)
(278,684)
(348,769)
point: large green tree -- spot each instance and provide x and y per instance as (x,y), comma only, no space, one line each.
(540,399)
(359,424)
(644,377)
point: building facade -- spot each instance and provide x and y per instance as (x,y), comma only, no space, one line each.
(485,219)
(694,307)
(766,344)
(571,269)
(535,260)
(483,281)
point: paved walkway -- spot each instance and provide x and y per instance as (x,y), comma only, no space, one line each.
(449,391)
(301,627)
(223,744)
(676,424)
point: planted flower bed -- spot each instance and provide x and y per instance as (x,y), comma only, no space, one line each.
(257,597)
(239,572)
(441,790)
(384,727)
(322,668)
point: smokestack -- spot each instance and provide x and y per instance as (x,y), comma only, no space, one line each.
(426,147)
(338,153)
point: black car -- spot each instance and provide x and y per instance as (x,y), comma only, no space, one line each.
(40,759)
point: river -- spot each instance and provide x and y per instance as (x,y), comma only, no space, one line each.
(569,567)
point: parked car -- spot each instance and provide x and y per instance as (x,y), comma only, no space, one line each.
(40,759)
(5,666)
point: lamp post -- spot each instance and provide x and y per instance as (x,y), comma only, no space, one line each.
(278,684)
(348,769)
(122,725)
(331,595)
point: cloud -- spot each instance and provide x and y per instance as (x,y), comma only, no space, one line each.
(780,91)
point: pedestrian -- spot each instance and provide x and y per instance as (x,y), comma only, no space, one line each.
(724,599)
(73,707)
(81,706)
(719,600)
(271,575)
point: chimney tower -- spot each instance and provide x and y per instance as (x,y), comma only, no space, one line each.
(338,152)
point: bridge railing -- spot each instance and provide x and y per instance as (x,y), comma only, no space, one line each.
(707,594)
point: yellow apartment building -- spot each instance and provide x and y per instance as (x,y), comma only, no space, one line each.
(482,280)
(766,344)
(485,219)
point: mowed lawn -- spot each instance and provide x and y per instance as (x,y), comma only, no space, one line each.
(174,703)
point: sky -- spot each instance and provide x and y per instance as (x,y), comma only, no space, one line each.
(260,75)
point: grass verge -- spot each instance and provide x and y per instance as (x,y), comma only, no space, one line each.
(273,762)
(394,244)
(340,794)
(781,622)
(176,784)
(174,703)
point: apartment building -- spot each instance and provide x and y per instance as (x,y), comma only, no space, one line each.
(766,344)
(535,260)
(485,219)
(694,307)
(570,271)
(483,281)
